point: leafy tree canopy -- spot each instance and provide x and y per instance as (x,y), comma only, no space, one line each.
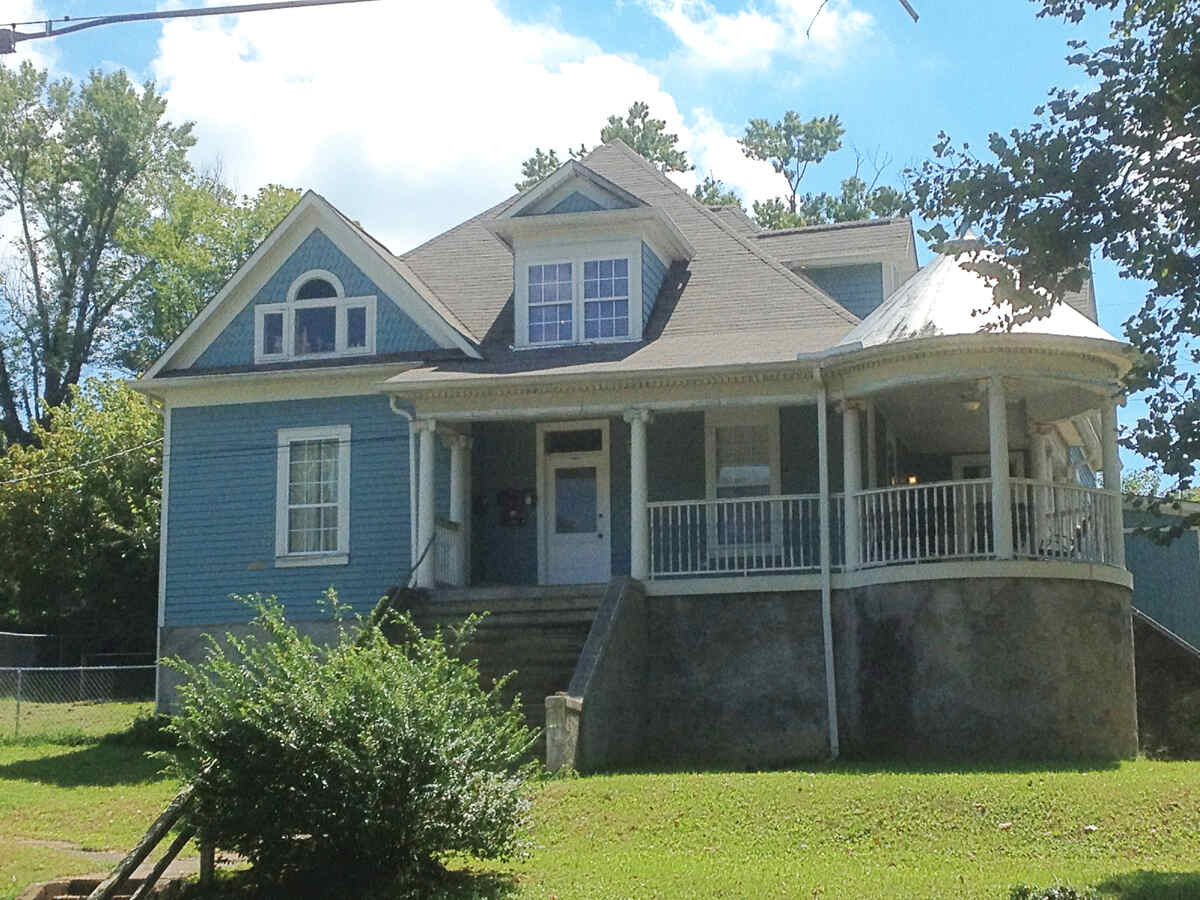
(713,192)
(79,519)
(644,134)
(118,242)
(203,234)
(792,145)
(648,137)
(1112,165)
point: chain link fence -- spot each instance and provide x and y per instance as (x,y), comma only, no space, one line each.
(91,701)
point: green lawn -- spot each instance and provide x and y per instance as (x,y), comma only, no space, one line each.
(59,722)
(840,831)
(90,796)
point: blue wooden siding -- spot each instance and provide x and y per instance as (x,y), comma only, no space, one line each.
(654,273)
(395,331)
(503,457)
(221,517)
(574,202)
(1166,578)
(858,288)
(618,511)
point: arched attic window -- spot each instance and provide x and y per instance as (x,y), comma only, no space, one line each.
(317,320)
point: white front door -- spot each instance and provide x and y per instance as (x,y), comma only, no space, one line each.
(577,539)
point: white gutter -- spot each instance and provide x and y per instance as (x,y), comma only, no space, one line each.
(826,560)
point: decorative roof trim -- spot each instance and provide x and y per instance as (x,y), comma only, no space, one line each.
(665,229)
(570,169)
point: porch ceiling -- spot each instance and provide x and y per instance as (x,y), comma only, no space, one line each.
(935,418)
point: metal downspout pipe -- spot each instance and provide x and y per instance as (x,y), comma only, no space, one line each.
(826,560)
(412,478)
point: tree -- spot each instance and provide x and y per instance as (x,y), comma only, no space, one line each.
(648,137)
(1112,166)
(713,192)
(203,234)
(645,135)
(791,146)
(79,519)
(80,168)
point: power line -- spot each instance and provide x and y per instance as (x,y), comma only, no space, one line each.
(83,465)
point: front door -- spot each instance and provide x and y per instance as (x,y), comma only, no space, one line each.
(575,523)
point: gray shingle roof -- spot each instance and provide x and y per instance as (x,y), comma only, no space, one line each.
(733,303)
(876,238)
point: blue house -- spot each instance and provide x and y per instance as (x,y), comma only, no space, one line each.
(732,495)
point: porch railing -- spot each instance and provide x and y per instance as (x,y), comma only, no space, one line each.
(925,522)
(449,554)
(741,536)
(1062,521)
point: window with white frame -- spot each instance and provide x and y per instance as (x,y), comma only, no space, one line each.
(317,320)
(582,299)
(605,298)
(551,304)
(742,462)
(312,511)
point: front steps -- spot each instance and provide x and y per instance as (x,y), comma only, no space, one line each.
(537,631)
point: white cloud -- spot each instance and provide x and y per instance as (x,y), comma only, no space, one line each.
(39,52)
(751,38)
(717,152)
(409,117)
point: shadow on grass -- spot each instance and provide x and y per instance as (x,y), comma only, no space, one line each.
(95,765)
(1143,885)
(458,884)
(880,767)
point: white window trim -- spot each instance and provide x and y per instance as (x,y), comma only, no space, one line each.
(341,306)
(577,254)
(311,275)
(285,437)
(750,415)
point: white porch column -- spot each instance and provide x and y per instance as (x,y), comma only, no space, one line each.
(1043,475)
(1112,482)
(639,495)
(852,477)
(426,430)
(1002,533)
(872,446)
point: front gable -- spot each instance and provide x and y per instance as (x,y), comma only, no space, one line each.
(395,330)
(405,318)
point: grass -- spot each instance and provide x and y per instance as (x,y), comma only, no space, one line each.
(867,832)
(60,798)
(829,832)
(64,722)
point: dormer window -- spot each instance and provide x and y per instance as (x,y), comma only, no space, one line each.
(581,294)
(316,321)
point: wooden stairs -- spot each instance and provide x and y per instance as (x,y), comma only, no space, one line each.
(538,632)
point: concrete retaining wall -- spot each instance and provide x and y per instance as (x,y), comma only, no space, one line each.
(986,668)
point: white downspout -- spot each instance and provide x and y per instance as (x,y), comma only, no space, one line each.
(826,560)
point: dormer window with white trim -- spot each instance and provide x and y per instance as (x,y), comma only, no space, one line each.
(317,321)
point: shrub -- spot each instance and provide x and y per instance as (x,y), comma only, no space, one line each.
(364,758)
(1060,892)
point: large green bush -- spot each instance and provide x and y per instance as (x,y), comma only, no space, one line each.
(370,757)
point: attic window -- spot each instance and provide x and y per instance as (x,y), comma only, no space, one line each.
(316,289)
(316,321)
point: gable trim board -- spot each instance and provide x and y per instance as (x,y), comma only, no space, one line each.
(548,186)
(311,213)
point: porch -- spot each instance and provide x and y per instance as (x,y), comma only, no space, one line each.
(946,471)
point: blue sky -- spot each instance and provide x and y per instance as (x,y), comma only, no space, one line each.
(412,116)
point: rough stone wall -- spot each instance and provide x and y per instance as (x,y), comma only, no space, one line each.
(735,680)
(986,669)
(610,677)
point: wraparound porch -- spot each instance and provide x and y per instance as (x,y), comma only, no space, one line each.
(763,489)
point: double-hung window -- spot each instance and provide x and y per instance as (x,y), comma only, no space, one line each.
(743,464)
(551,304)
(316,321)
(583,299)
(312,508)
